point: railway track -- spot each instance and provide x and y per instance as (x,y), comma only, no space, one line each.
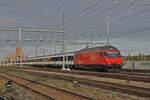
(123,76)
(132,90)
(9,77)
(136,70)
(53,93)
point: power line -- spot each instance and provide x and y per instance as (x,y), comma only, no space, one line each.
(126,33)
(72,24)
(67,3)
(57,19)
(134,20)
(71,3)
(83,10)
(86,11)
(84,16)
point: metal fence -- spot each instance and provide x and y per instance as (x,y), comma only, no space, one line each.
(141,65)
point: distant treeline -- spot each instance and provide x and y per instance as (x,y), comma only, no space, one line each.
(140,57)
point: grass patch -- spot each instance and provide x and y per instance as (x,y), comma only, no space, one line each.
(2,85)
(62,81)
(3,70)
(19,73)
(110,94)
(18,90)
(43,79)
(41,91)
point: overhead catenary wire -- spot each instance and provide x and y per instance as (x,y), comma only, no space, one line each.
(78,20)
(70,25)
(135,31)
(86,11)
(78,14)
(69,5)
(65,4)
(133,21)
(82,11)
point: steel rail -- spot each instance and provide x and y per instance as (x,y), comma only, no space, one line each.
(133,90)
(123,76)
(42,94)
(73,94)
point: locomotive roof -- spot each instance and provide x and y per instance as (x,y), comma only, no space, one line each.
(105,47)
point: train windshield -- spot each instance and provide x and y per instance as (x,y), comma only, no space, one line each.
(111,54)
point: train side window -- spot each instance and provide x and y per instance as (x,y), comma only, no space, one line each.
(70,58)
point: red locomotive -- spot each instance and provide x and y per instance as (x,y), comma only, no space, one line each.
(103,57)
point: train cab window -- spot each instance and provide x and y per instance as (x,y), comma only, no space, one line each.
(113,54)
(110,54)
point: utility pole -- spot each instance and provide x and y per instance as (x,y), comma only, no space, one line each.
(91,40)
(55,43)
(37,45)
(2,57)
(36,49)
(20,41)
(91,31)
(108,27)
(40,37)
(74,45)
(63,39)
(125,50)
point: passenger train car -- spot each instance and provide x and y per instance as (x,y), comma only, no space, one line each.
(102,57)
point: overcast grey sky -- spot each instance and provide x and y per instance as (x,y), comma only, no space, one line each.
(129,25)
